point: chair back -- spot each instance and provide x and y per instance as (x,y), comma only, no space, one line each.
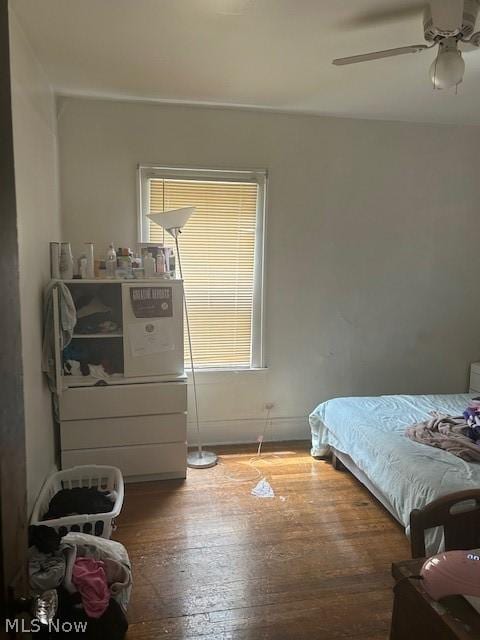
(459,516)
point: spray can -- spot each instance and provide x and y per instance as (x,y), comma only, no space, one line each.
(66,261)
(55,260)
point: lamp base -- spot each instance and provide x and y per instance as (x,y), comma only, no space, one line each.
(203,460)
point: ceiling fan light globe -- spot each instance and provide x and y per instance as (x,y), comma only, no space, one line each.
(447,69)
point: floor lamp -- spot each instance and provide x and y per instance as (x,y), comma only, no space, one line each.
(173,221)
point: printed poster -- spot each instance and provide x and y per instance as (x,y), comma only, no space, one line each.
(149,338)
(151,302)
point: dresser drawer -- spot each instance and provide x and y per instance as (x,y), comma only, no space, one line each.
(115,432)
(142,460)
(83,403)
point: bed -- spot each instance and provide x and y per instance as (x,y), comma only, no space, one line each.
(367,436)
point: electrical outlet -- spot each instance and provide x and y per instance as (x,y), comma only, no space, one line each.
(268,406)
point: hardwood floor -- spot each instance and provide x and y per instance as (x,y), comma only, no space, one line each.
(213,562)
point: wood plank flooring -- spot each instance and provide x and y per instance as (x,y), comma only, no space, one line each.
(212,562)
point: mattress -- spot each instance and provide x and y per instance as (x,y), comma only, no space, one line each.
(371,431)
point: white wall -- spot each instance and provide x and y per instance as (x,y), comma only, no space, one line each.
(372,260)
(35,150)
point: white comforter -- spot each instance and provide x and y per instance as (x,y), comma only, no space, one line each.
(371,431)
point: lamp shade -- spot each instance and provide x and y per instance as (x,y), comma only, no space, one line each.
(173,219)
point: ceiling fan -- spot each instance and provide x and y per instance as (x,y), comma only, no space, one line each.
(448,24)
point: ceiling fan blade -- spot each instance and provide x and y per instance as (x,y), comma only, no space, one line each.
(376,17)
(377,55)
(447,15)
(472,44)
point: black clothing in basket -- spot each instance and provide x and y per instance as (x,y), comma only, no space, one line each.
(78,501)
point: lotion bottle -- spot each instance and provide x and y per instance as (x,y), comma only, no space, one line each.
(149,265)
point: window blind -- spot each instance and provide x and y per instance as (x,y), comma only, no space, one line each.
(217,248)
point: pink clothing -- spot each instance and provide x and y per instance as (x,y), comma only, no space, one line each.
(89,577)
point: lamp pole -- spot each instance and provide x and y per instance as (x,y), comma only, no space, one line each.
(199,459)
(173,221)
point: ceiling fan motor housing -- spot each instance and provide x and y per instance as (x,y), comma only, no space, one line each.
(433,33)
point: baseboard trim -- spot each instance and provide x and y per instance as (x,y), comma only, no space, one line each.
(174,475)
(249,430)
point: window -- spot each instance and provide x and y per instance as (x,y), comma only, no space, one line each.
(221,248)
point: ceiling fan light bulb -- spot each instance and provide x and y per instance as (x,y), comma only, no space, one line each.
(447,69)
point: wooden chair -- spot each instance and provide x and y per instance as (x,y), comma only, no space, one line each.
(461,525)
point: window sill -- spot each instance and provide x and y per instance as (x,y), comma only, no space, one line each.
(212,376)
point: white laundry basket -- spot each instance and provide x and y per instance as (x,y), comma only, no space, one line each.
(104,478)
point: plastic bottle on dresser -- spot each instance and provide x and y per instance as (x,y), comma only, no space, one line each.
(161,262)
(171,265)
(149,265)
(83,267)
(90,260)
(111,262)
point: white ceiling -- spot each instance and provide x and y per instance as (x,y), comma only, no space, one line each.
(261,53)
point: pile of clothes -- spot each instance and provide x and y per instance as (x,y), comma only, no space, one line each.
(459,435)
(98,311)
(92,577)
(79,501)
(472,416)
(81,358)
